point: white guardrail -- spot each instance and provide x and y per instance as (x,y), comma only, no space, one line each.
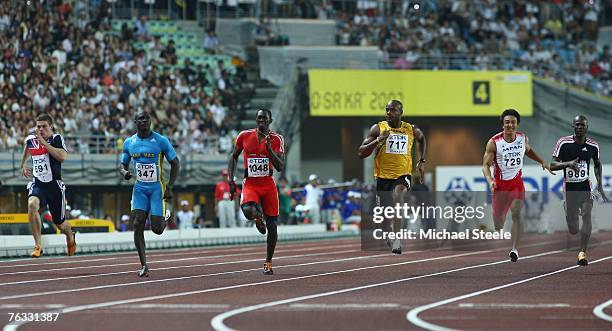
(55,244)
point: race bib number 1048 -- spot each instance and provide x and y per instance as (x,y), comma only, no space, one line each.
(258,167)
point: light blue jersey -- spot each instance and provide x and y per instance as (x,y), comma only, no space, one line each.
(148,158)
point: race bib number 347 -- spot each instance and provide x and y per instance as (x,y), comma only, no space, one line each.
(146,172)
(258,167)
(397,144)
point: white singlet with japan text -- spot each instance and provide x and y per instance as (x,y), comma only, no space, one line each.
(509,156)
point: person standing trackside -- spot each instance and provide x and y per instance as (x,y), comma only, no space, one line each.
(313,198)
(225,207)
(392,140)
(185,216)
(48,151)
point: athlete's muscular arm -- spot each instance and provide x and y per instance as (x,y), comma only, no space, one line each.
(419,137)
(557,164)
(598,169)
(371,141)
(487,160)
(231,167)
(278,160)
(175,166)
(59,154)
(531,153)
(125,161)
(123,170)
(26,153)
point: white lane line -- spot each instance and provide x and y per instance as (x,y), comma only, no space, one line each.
(344,306)
(173,306)
(515,305)
(14,325)
(413,315)
(162,261)
(210,264)
(59,262)
(218,322)
(31,306)
(175,267)
(120,257)
(599,311)
(170,252)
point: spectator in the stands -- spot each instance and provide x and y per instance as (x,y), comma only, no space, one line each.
(211,42)
(142,31)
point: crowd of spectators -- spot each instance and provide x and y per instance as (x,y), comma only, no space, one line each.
(69,62)
(554,39)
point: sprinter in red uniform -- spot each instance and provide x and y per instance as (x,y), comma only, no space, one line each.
(263,151)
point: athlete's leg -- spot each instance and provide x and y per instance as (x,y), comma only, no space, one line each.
(249,203)
(270,208)
(56,199)
(139,218)
(272,236)
(585,230)
(500,209)
(571,212)
(158,210)
(158,224)
(34,218)
(251,210)
(399,197)
(517,224)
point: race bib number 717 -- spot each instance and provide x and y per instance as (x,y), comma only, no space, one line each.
(397,144)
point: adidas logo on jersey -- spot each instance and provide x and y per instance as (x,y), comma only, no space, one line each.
(584,149)
(153,140)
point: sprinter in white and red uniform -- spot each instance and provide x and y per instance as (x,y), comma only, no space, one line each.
(264,151)
(573,155)
(505,152)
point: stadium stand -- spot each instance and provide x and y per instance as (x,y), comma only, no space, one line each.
(553,39)
(91,73)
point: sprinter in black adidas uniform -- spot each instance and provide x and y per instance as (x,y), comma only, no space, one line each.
(47,151)
(573,154)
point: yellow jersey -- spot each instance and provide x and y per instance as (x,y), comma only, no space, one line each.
(394,155)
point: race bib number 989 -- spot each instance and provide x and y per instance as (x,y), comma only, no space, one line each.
(397,144)
(258,167)
(146,172)
(577,176)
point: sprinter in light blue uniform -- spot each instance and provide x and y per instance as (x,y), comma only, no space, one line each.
(147,150)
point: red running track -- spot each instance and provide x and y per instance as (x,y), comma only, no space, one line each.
(322,285)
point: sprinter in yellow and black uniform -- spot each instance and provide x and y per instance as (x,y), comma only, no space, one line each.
(392,140)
